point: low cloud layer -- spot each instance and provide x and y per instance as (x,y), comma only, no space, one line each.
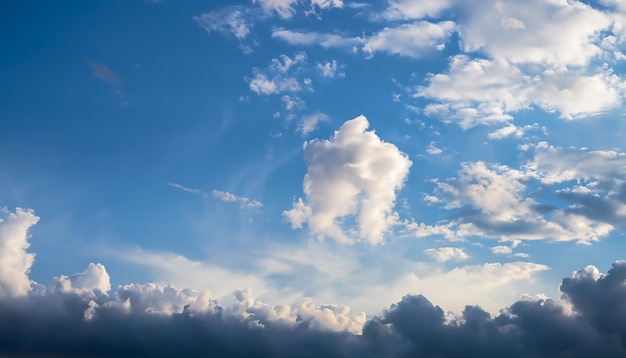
(158,321)
(78,315)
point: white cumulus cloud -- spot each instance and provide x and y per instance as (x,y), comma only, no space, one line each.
(444,254)
(353,175)
(15,261)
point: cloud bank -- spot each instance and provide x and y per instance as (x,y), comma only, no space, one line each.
(79,316)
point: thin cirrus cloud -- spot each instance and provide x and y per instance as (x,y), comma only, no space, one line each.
(103,72)
(221,195)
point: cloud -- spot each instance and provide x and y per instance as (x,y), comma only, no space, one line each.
(15,261)
(587,202)
(411,40)
(353,175)
(309,123)
(525,33)
(511,130)
(232,198)
(327,4)
(287,8)
(276,79)
(103,72)
(315,38)
(221,195)
(414,9)
(502,250)
(476,91)
(432,149)
(188,190)
(232,21)
(152,320)
(493,204)
(261,84)
(92,282)
(513,61)
(183,272)
(579,95)
(484,92)
(330,69)
(283,8)
(444,254)
(424,230)
(162,320)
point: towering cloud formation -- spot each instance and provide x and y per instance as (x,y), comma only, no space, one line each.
(15,261)
(352,175)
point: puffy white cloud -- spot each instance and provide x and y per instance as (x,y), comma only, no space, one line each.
(261,84)
(578,95)
(556,165)
(481,91)
(275,78)
(412,40)
(537,54)
(588,183)
(353,175)
(496,192)
(414,9)
(15,261)
(476,91)
(444,254)
(555,33)
(332,317)
(92,282)
(158,299)
(432,149)
(502,250)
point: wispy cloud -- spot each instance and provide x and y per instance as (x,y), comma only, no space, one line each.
(232,198)
(189,190)
(221,195)
(103,72)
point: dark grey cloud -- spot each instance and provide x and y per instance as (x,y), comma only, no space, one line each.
(55,325)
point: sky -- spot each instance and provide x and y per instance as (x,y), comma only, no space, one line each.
(381,177)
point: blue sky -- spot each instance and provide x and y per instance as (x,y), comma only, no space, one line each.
(347,153)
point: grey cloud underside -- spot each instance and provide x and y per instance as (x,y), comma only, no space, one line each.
(55,325)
